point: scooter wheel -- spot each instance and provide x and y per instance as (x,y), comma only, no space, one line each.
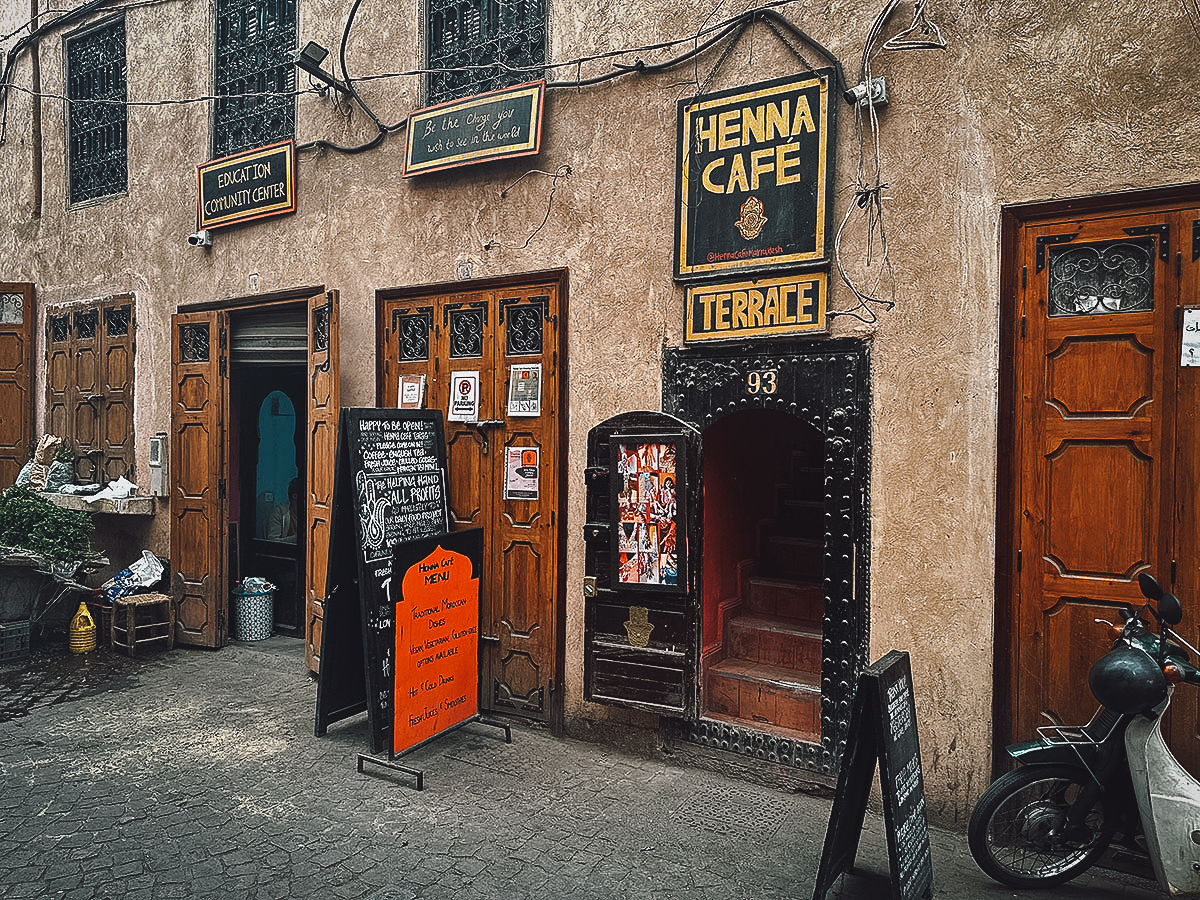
(1015,834)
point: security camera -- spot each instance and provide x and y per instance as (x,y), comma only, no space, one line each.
(857,95)
(201,238)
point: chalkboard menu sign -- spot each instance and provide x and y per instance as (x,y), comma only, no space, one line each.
(883,728)
(389,487)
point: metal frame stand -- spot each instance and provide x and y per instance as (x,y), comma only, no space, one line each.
(419,774)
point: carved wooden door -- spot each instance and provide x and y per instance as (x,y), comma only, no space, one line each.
(199,397)
(324,399)
(1098,369)
(16,375)
(501,332)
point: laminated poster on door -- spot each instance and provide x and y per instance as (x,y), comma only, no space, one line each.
(464,397)
(411,391)
(525,390)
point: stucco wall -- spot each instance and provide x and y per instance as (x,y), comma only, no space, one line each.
(1025,104)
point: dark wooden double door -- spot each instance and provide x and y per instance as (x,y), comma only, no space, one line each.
(498,329)
(1103,455)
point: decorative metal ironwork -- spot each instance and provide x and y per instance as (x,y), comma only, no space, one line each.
(320,325)
(253,74)
(96,113)
(1162,230)
(85,321)
(60,329)
(193,342)
(523,331)
(1047,240)
(474,46)
(413,329)
(12,309)
(117,320)
(1101,278)
(466,332)
(826,384)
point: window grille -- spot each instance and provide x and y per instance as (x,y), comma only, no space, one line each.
(475,46)
(96,118)
(1102,278)
(255,78)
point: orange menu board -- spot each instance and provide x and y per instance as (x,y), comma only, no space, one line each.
(437,637)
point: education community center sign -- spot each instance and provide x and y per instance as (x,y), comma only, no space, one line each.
(754,196)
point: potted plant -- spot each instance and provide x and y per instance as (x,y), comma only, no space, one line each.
(42,547)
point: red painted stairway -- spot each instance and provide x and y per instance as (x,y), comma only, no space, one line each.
(770,673)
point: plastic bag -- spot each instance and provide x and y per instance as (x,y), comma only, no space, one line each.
(145,572)
(252,585)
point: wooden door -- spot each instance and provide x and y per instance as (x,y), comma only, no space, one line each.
(495,330)
(198,490)
(1097,372)
(1184,726)
(16,379)
(324,400)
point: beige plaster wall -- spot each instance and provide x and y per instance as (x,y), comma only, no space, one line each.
(1060,100)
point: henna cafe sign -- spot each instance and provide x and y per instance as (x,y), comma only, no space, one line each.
(497,125)
(754,177)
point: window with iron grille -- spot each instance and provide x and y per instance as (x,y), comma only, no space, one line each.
(96,117)
(254,76)
(475,46)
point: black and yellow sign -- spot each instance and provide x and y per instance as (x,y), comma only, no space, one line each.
(754,184)
(245,186)
(497,125)
(766,307)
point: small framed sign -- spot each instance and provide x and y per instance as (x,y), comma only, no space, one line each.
(496,125)
(766,307)
(245,186)
(646,492)
(464,397)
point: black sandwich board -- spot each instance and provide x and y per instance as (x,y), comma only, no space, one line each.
(883,728)
(389,486)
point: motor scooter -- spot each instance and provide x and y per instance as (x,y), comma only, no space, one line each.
(1080,788)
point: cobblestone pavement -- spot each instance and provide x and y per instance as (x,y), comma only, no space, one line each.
(196,774)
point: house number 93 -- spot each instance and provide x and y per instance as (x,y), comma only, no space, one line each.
(764,382)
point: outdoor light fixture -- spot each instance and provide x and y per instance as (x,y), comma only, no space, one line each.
(309,58)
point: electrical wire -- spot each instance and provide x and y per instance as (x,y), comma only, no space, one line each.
(562,172)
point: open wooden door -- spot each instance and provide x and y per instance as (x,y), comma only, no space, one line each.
(198,488)
(324,399)
(641,593)
(16,376)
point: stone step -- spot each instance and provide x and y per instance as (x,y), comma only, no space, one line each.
(759,694)
(775,641)
(798,600)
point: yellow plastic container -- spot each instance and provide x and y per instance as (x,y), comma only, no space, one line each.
(83,631)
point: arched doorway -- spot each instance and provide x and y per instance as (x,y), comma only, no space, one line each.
(763,594)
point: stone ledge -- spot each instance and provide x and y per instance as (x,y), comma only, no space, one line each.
(123,506)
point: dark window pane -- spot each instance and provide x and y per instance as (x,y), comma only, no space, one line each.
(1100,278)
(253,74)
(96,112)
(475,46)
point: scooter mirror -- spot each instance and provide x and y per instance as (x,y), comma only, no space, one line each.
(1170,610)
(1149,586)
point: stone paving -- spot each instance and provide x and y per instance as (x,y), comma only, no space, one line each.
(196,774)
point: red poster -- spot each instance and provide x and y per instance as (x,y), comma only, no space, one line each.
(437,648)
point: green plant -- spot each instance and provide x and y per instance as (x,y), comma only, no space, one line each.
(31,523)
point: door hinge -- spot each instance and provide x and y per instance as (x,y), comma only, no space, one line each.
(1178,318)
(1178,263)
(222,365)
(1024,277)
(1018,561)
(1172,573)
(221,489)
(1024,323)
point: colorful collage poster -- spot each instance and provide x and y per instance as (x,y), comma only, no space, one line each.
(647,505)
